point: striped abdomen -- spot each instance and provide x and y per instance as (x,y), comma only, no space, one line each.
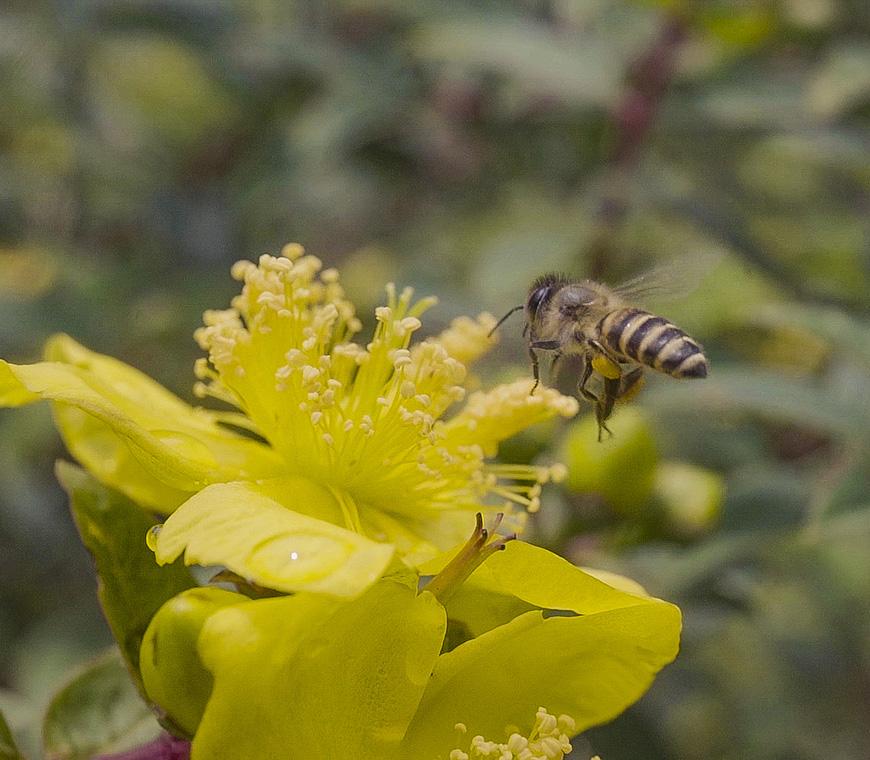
(643,337)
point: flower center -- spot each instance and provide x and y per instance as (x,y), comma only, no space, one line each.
(365,421)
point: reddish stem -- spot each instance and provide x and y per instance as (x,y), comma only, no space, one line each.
(165,747)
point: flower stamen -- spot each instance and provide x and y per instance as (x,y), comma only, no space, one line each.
(368,419)
(549,739)
(472,554)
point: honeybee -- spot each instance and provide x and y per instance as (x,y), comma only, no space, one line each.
(614,340)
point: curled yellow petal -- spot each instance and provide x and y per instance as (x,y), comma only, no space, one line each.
(12,391)
(132,433)
(244,528)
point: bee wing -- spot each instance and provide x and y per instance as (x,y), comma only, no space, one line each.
(670,280)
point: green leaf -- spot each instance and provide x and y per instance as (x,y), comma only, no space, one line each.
(580,70)
(132,587)
(834,410)
(841,82)
(8,750)
(848,334)
(97,712)
(164,86)
(307,676)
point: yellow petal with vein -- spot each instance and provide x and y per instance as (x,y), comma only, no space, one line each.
(129,431)
(244,528)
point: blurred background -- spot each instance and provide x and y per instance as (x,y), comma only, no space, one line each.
(464,148)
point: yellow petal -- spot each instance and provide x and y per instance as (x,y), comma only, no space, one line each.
(546,580)
(418,538)
(590,663)
(100,450)
(12,391)
(615,580)
(590,667)
(244,528)
(130,432)
(309,677)
(524,576)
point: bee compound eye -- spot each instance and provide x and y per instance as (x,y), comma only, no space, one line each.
(537,298)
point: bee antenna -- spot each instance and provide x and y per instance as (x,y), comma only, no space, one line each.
(499,323)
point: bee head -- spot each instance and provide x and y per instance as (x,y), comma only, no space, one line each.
(542,291)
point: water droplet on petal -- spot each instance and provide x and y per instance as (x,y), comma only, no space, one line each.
(152,536)
(294,555)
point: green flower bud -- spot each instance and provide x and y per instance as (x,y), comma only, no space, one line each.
(621,468)
(174,676)
(691,497)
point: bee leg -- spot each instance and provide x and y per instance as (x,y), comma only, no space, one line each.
(535,370)
(554,365)
(546,345)
(604,408)
(602,349)
(611,392)
(584,378)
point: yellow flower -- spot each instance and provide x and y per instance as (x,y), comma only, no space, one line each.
(378,678)
(337,454)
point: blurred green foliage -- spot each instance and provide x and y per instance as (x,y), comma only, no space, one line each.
(8,750)
(99,711)
(463,148)
(132,587)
